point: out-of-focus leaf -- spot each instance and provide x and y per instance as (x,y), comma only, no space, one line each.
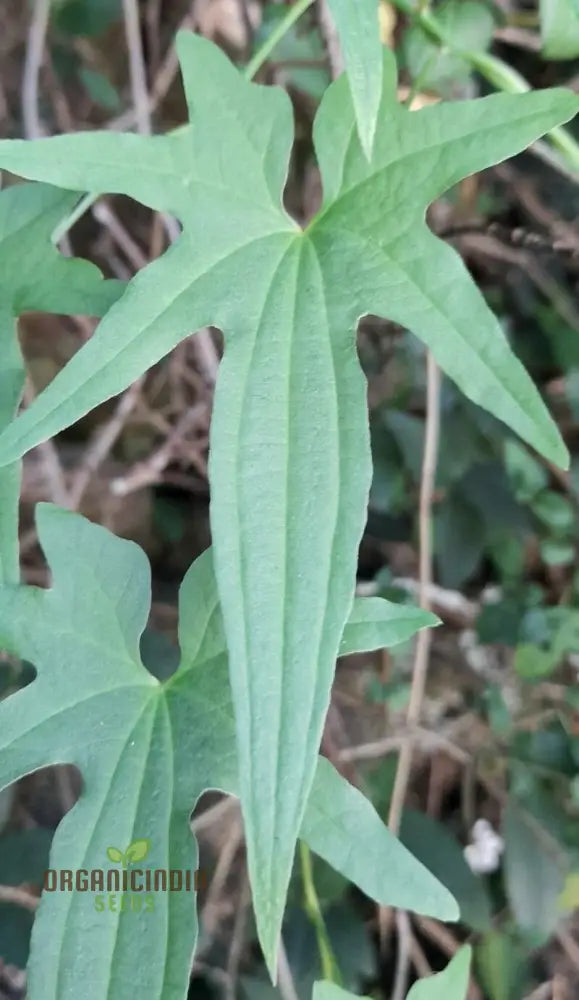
(459,540)
(569,896)
(527,475)
(350,940)
(438,850)
(85,17)
(468,25)
(557,553)
(100,89)
(560,28)
(532,662)
(297,45)
(554,510)
(534,869)
(500,965)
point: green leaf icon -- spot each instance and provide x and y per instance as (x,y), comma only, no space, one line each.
(137,851)
(114,855)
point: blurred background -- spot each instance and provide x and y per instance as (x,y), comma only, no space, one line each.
(493,803)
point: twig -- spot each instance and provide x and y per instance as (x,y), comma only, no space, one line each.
(569,945)
(32,64)
(100,448)
(425,574)
(237,941)
(423,737)
(19,897)
(404,936)
(137,68)
(149,472)
(284,975)
(104,214)
(201,823)
(420,670)
(210,911)
(331,39)
(52,469)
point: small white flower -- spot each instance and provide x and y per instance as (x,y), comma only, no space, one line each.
(484,853)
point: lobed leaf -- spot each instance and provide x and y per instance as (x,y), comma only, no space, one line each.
(33,275)
(290,464)
(146,752)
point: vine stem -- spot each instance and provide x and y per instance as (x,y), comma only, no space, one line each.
(498,73)
(330,968)
(293,14)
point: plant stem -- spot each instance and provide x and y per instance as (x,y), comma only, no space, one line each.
(293,14)
(330,969)
(498,73)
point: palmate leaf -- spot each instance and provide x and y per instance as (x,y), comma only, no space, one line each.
(290,460)
(146,752)
(34,276)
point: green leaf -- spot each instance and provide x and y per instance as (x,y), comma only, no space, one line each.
(450,984)
(560,28)
(501,966)
(358,28)
(339,817)
(289,492)
(532,662)
(556,552)
(86,17)
(33,276)
(375,622)
(531,847)
(555,511)
(440,852)
(100,89)
(146,751)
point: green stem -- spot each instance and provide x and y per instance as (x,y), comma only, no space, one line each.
(255,64)
(330,969)
(83,206)
(265,50)
(498,73)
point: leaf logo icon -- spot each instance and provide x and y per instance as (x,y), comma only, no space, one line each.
(135,852)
